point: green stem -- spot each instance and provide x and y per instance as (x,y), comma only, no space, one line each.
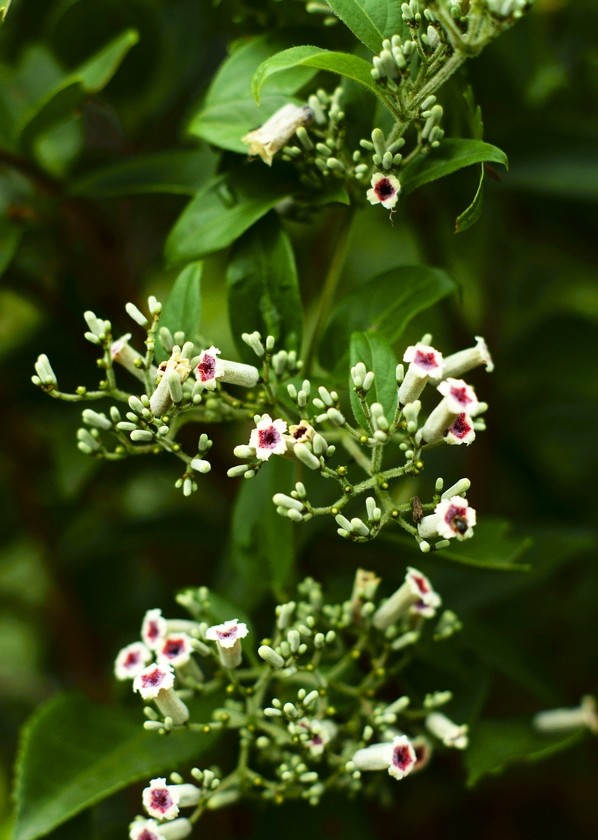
(345,217)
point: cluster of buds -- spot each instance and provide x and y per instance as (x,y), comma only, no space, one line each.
(302,726)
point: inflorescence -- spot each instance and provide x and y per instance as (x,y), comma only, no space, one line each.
(308,706)
(293,418)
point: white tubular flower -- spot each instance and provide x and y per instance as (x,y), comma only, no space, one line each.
(385,190)
(563,720)
(460,431)
(459,363)
(237,373)
(131,661)
(268,437)
(122,352)
(451,734)
(424,363)
(228,640)
(161,399)
(153,628)
(452,517)
(397,757)
(143,829)
(175,649)
(416,592)
(162,801)
(156,683)
(209,368)
(459,398)
(277,131)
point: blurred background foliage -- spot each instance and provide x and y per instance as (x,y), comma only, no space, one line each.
(87,547)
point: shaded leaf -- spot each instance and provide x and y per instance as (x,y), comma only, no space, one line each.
(370,20)
(449,157)
(10,236)
(262,540)
(75,753)
(492,547)
(375,352)
(230,110)
(349,66)
(263,290)
(496,744)
(223,210)
(472,213)
(177,172)
(70,93)
(385,304)
(182,309)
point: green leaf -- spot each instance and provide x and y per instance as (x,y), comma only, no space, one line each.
(223,210)
(71,91)
(230,110)
(384,304)
(262,540)
(182,309)
(176,172)
(496,744)
(349,66)
(263,290)
(449,157)
(10,236)
(75,753)
(375,352)
(370,20)
(492,547)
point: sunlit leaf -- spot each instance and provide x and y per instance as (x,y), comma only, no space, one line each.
(375,352)
(182,308)
(370,20)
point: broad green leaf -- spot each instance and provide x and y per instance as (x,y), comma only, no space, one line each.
(4,7)
(385,304)
(181,172)
(75,753)
(223,210)
(230,110)
(262,540)
(182,309)
(263,290)
(345,64)
(370,20)
(449,157)
(496,744)
(375,352)
(71,91)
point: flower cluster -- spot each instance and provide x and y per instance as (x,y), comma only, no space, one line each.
(294,420)
(297,706)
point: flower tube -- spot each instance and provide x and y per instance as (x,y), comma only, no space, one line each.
(416,589)
(425,363)
(276,132)
(228,641)
(397,757)
(156,683)
(452,518)
(459,363)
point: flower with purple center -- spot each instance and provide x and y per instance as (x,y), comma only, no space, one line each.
(425,363)
(385,190)
(397,757)
(461,430)
(452,518)
(209,368)
(268,437)
(228,640)
(160,800)
(131,661)
(152,680)
(153,628)
(459,395)
(175,649)
(319,732)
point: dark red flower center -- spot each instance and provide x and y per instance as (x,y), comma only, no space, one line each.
(268,438)
(384,189)
(173,648)
(425,360)
(421,583)
(207,368)
(460,427)
(401,757)
(456,517)
(460,394)
(132,659)
(152,679)
(161,800)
